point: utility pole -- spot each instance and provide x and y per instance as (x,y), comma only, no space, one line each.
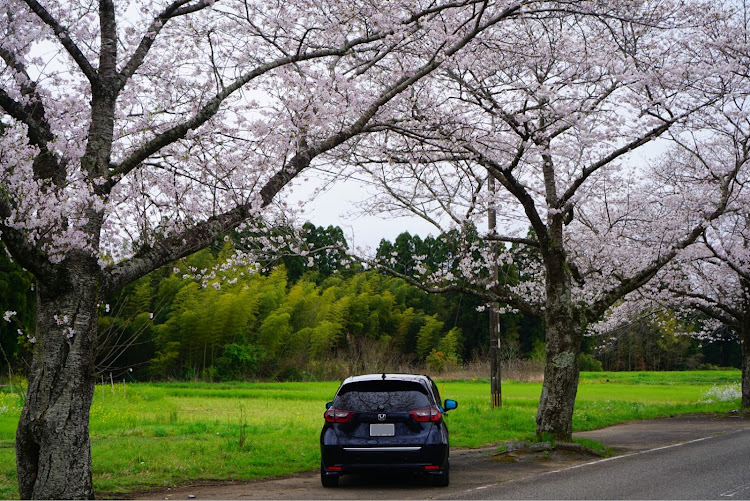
(495,369)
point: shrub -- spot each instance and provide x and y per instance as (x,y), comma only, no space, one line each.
(239,361)
(437,362)
(588,363)
(538,351)
(164,363)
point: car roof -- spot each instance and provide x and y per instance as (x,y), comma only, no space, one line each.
(417,378)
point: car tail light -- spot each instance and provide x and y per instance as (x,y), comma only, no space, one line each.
(426,415)
(431,467)
(338,416)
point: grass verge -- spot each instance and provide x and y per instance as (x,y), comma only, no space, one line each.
(150,436)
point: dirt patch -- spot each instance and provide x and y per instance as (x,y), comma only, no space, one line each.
(544,452)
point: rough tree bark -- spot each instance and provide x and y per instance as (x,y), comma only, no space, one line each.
(52,440)
(743,331)
(557,401)
(564,336)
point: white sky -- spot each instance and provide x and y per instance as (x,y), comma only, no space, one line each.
(336,205)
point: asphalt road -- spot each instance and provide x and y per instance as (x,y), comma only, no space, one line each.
(687,457)
(713,467)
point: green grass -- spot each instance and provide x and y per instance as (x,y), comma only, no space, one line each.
(158,435)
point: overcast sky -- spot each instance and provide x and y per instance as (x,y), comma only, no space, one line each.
(334,207)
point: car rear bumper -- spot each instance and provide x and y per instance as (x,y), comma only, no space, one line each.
(345,459)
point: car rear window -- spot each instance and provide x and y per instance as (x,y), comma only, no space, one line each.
(382,396)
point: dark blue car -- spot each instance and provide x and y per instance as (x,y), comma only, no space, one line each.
(385,422)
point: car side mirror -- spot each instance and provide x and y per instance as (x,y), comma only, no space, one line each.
(450,404)
(329,405)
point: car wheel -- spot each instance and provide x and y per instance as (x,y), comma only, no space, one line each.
(328,480)
(443,479)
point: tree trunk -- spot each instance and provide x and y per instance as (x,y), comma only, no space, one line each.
(557,402)
(53,451)
(564,336)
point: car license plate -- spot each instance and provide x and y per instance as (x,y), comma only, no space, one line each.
(382,430)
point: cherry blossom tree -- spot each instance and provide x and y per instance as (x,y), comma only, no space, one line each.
(716,281)
(571,132)
(134,133)
(712,275)
(715,276)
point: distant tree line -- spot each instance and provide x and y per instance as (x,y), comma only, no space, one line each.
(314,313)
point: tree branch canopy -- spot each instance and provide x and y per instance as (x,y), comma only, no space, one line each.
(63,36)
(149,131)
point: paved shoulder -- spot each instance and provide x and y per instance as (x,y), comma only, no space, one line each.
(642,435)
(472,470)
(693,457)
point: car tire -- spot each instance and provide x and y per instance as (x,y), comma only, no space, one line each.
(443,479)
(328,480)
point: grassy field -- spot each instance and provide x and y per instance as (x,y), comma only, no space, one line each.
(157,435)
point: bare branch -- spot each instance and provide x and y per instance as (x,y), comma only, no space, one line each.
(513,240)
(719,311)
(26,254)
(62,34)
(490,295)
(175,9)
(623,150)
